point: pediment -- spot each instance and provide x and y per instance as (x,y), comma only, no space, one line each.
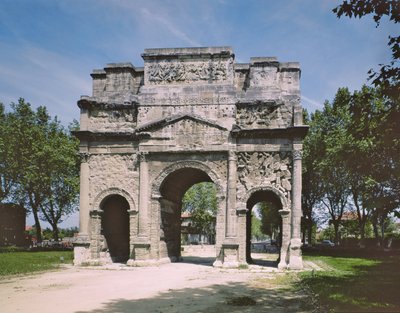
(178,119)
(184,131)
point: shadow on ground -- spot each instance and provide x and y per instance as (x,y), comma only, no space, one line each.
(235,297)
(205,261)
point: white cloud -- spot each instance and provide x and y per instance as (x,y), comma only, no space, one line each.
(311,104)
(170,25)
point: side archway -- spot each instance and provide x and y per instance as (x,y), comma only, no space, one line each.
(277,201)
(114,206)
(113,191)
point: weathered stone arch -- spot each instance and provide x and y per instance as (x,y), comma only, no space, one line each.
(103,195)
(190,115)
(284,201)
(157,182)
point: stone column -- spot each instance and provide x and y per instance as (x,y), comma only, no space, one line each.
(84,198)
(231,220)
(296,261)
(95,236)
(283,257)
(133,232)
(143,196)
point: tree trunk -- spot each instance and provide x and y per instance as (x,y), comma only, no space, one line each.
(309,228)
(310,231)
(382,229)
(375,227)
(336,228)
(37,225)
(56,232)
(362,234)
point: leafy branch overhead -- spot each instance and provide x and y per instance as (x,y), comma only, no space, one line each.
(388,75)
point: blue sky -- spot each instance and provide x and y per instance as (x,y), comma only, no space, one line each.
(48,48)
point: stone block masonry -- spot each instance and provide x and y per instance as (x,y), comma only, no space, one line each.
(190,115)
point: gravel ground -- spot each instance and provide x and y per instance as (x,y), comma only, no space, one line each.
(176,287)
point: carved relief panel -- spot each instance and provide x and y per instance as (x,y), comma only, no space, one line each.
(112,120)
(263,76)
(166,72)
(264,115)
(265,169)
(111,170)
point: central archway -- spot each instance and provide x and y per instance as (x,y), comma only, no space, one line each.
(176,181)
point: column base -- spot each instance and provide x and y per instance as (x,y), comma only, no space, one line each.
(296,259)
(81,249)
(82,239)
(147,263)
(282,265)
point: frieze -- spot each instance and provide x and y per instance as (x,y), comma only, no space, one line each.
(172,101)
(264,76)
(263,116)
(188,72)
(265,168)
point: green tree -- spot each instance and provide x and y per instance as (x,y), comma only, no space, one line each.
(270,219)
(63,169)
(201,202)
(256,225)
(68,232)
(44,164)
(374,155)
(375,115)
(326,137)
(311,182)
(6,156)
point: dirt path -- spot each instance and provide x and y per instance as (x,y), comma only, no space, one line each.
(177,287)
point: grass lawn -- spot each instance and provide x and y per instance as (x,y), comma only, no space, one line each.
(12,263)
(355,284)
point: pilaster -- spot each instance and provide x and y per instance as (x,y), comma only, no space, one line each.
(296,261)
(143,196)
(231,220)
(84,198)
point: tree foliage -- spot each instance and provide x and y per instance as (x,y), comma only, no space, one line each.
(256,227)
(353,153)
(201,202)
(270,219)
(39,161)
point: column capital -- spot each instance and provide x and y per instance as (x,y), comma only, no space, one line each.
(232,155)
(142,156)
(84,157)
(96,213)
(133,212)
(241,211)
(297,154)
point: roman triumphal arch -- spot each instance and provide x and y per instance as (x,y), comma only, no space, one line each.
(190,115)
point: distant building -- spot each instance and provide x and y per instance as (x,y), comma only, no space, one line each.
(190,235)
(12,225)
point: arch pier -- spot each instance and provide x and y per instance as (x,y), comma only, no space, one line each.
(147,134)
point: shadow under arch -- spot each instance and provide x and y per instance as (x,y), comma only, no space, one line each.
(114,205)
(276,200)
(169,187)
